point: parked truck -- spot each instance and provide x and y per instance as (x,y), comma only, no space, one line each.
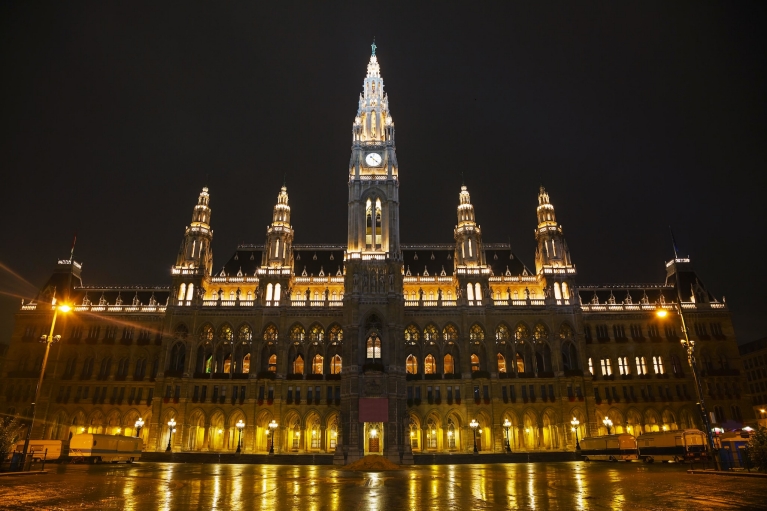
(621,447)
(103,448)
(677,445)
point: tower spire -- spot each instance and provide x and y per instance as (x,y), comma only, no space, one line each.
(279,236)
(468,235)
(195,252)
(373,47)
(552,257)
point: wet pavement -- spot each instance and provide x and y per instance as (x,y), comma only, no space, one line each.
(165,486)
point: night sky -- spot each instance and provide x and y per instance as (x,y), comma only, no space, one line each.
(634,115)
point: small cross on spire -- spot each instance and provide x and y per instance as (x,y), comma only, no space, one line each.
(373,46)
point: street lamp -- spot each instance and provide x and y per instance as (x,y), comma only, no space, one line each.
(474,425)
(689,346)
(139,424)
(48,340)
(240,426)
(608,424)
(171,429)
(507,425)
(575,423)
(273,427)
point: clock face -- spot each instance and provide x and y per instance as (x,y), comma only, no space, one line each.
(373,159)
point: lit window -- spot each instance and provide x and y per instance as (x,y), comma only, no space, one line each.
(373,347)
(411,364)
(298,365)
(449,364)
(474,362)
(501,363)
(317,364)
(429,365)
(335,365)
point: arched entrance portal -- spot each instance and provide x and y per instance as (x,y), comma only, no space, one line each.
(374,438)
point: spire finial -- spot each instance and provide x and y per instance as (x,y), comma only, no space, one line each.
(284,179)
(373,47)
(673,242)
(463,181)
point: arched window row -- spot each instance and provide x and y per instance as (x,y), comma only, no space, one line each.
(244,333)
(503,333)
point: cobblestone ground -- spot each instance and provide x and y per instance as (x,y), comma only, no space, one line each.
(161,486)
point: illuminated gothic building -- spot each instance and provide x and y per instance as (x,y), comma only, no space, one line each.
(373,345)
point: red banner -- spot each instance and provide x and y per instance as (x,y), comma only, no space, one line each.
(374,409)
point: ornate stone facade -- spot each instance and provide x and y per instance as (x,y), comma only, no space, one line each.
(373,345)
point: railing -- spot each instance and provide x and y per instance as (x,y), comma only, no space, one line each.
(118,308)
(620,307)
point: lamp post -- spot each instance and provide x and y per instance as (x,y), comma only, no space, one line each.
(240,426)
(474,425)
(139,424)
(689,346)
(273,428)
(575,423)
(48,340)
(171,429)
(608,424)
(506,426)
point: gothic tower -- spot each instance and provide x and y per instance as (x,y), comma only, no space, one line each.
(552,257)
(374,403)
(278,254)
(195,257)
(373,171)
(470,264)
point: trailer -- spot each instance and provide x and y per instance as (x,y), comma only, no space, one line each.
(103,448)
(50,450)
(677,446)
(621,447)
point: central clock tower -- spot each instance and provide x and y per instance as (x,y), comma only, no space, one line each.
(373,403)
(373,172)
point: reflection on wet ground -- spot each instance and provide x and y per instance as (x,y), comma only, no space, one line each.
(568,486)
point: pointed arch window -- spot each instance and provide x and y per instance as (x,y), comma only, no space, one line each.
(368,225)
(297,333)
(449,364)
(378,240)
(520,363)
(501,363)
(411,334)
(336,334)
(476,333)
(478,293)
(246,363)
(182,291)
(411,364)
(316,334)
(431,333)
(190,292)
(429,365)
(450,333)
(272,364)
(298,365)
(228,364)
(317,364)
(657,363)
(335,364)
(474,362)
(270,334)
(502,333)
(373,347)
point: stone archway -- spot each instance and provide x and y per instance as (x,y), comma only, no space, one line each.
(196,438)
